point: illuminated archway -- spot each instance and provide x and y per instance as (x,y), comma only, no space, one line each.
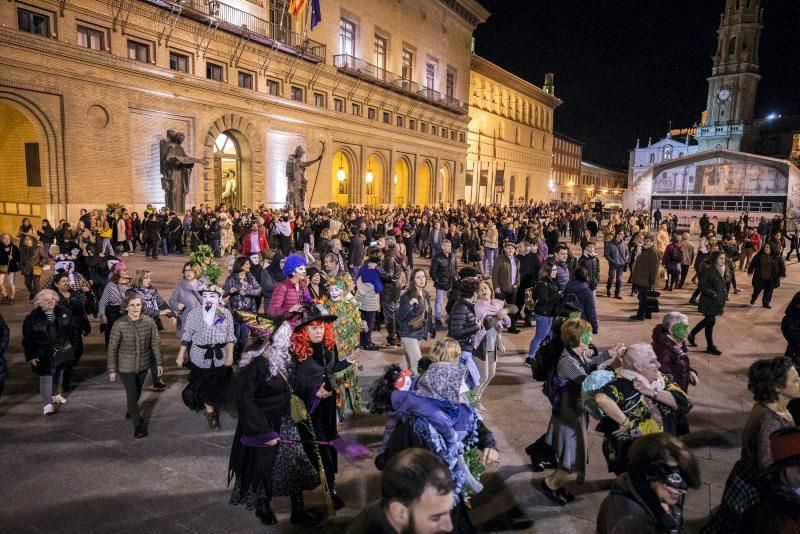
(26,166)
(400,182)
(341,178)
(232,171)
(423,184)
(373,180)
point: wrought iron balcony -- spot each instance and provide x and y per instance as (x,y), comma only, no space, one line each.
(241,23)
(359,68)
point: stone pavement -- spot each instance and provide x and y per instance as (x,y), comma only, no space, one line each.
(81,470)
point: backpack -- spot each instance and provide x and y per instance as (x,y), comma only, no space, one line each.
(676,255)
(546,359)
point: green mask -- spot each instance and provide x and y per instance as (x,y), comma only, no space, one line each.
(586,338)
(679,330)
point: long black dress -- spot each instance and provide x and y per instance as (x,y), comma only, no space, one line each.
(263,405)
(320,369)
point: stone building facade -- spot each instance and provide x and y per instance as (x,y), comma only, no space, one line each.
(510,137)
(600,183)
(567,157)
(89,88)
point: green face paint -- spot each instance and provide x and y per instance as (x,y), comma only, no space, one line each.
(679,330)
(586,338)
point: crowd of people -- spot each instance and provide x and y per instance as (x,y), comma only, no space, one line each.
(275,310)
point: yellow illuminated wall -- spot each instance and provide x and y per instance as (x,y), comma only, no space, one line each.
(17,200)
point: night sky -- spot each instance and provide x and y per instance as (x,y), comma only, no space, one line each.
(624,68)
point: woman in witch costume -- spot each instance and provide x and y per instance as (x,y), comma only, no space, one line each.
(208,336)
(313,346)
(262,400)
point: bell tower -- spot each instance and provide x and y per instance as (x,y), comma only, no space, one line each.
(734,80)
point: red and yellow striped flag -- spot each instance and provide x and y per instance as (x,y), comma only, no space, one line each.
(296,7)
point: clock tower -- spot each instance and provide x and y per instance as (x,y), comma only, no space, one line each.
(734,80)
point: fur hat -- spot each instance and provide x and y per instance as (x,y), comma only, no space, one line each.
(292,263)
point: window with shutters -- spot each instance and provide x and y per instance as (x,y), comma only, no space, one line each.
(32,165)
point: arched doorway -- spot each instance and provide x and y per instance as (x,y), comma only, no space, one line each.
(423,185)
(341,178)
(227,170)
(400,181)
(26,169)
(443,191)
(373,180)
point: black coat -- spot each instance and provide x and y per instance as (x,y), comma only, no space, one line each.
(39,338)
(547,298)
(443,271)
(790,327)
(778,269)
(713,293)
(461,323)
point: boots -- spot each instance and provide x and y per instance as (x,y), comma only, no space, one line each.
(337,501)
(299,514)
(264,511)
(213,420)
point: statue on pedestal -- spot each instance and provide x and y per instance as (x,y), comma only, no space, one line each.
(176,169)
(296,176)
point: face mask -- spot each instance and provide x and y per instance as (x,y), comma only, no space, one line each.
(254,259)
(586,338)
(210,300)
(679,330)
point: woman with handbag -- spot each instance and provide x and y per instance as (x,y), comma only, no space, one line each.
(265,386)
(414,318)
(133,346)
(47,341)
(9,266)
(32,259)
(110,305)
(242,289)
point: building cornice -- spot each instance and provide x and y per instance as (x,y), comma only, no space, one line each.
(486,68)
(469,10)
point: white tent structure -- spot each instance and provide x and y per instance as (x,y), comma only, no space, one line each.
(719,183)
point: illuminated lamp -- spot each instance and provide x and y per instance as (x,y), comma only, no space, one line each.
(341,174)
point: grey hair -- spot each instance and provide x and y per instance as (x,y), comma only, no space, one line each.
(673,318)
(446,242)
(42,294)
(634,353)
(390,241)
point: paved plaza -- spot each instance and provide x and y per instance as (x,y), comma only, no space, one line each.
(81,470)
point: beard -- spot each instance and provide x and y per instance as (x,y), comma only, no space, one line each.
(410,529)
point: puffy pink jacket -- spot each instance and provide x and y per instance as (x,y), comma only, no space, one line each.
(284,297)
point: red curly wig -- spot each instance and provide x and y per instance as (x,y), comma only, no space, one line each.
(301,343)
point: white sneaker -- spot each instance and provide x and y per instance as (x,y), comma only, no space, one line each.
(58,399)
(49,410)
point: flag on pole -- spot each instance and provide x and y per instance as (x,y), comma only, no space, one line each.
(296,7)
(316,14)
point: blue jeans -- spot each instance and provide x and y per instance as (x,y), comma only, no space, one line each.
(242,333)
(543,326)
(441,294)
(489,255)
(615,274)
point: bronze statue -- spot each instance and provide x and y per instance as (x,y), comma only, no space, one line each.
(296,176)
(176,169)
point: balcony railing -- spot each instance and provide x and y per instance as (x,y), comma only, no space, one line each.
(359,68)
(238,22)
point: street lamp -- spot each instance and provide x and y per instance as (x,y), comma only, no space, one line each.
(341,174)
(369,177)
(394,179)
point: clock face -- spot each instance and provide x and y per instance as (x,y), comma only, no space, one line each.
(723,95)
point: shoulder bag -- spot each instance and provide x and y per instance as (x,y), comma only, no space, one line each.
(297,407)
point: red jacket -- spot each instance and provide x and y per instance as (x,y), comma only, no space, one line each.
(284,297)
(262,242)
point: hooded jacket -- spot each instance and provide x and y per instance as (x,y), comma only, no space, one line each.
(586,301)
(673,356)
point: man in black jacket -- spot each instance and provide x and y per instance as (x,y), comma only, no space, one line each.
(443,272)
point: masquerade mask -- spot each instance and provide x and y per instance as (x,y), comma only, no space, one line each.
(679,330)
(255,259)
(674,479)
(300,270)
(403,383)
(210,300)
(335,292)
(586,338)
